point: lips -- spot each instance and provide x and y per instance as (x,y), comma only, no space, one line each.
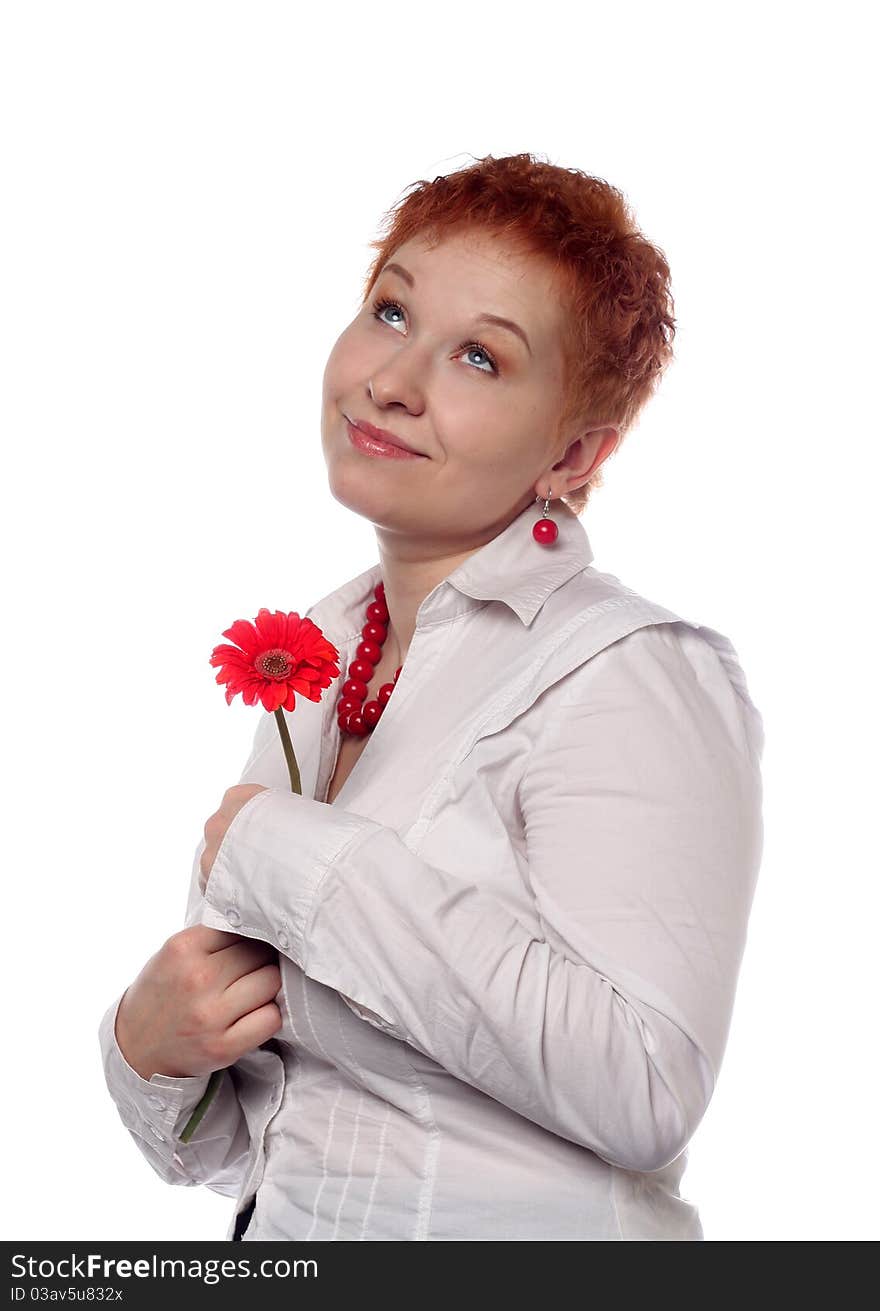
(382,435)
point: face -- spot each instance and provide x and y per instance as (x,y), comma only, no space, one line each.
(477,401)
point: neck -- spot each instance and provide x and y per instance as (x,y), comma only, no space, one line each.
(413,566)
(409,573)
(408,580)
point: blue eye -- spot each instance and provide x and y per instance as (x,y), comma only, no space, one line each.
(481,350)
(383,304)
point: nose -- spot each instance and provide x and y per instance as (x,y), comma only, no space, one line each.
(396,384)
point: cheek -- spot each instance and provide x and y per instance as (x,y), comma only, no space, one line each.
(334,369)
(512,456)
(352,358)
(486,430)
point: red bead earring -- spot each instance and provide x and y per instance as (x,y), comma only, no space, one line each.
(545,530)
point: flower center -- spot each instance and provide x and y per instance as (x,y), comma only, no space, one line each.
(276,663)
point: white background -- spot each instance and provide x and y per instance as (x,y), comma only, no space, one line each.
(189,190)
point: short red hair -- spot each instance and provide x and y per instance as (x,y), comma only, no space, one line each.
(614,281)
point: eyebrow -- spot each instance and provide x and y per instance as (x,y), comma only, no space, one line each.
(496,319)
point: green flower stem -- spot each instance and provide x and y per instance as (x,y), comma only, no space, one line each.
(210,1092)
(292,766)
(217,1076)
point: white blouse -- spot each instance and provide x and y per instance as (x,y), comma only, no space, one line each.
(509,948)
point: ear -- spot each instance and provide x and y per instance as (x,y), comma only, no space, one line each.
(585,453)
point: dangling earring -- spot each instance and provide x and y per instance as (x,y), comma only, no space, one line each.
(545,530)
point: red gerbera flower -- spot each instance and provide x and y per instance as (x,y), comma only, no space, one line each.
(275,657)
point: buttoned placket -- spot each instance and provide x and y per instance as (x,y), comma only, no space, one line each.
(254,1176)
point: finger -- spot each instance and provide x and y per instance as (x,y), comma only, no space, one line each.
(250,994)
(243,957)
(253,1029)
(209,939)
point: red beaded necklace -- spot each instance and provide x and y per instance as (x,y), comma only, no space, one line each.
(352,715)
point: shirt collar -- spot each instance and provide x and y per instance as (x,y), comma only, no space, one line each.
(512,568)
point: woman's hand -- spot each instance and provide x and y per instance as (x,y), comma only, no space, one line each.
(202,1001)
(215,829)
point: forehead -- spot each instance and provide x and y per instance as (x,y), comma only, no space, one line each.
(476,272)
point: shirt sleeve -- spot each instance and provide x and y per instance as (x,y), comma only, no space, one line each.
(157,1112)
(191,1129)
(641,804)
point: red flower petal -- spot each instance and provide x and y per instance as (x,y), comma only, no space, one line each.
(226,652)
(272,628)
(245,635)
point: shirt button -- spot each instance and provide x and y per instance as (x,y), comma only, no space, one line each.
(232,915)
(283,941)
(157,1134)
(157,1102)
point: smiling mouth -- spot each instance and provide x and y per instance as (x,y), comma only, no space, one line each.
(381,434)
(378,446)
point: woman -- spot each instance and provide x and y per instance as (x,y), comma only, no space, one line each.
(509,917)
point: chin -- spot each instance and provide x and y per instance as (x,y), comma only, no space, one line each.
(349,486)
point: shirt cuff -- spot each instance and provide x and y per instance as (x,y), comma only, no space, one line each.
(267,871)
(160,1107)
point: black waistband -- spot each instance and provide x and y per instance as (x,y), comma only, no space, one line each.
(242,1220)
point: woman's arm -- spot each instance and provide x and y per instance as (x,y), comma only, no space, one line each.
(192,1130)
(642,811)
(155,1111)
